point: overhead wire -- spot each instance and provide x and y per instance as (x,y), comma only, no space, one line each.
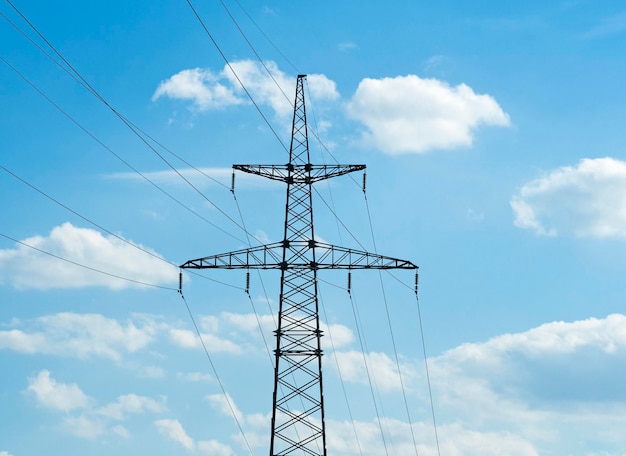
(266,37)
(219,381)
(99,226)
(393,339)
(75,263)
(68,68)
(230,67)
(430,391)
(367,370)
(343,385)
(108,149)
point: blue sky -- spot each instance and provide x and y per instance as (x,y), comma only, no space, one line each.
(494,143)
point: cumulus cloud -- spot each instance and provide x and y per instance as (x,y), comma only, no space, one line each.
(24,267)
(57,396)
(194,376)
(364,438)
(382,370)
(209,90)
(131,403)
(408,114)
(216,344)
(553,386)
(79,335)
(82,417)
(215,448)
(586,200)
(173,430)
(225,405)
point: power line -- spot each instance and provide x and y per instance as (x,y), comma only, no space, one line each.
(230,67)
(79,78)
(108,149)
(86,267)
(225,394)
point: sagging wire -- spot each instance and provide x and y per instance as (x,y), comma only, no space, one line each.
(343,386)
(72,72)
(430,391)
(393,339)
(99,271)
(219,381)
(367,370)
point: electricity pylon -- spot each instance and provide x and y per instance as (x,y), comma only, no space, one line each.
(298,425)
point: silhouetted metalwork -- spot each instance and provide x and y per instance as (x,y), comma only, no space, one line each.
(298,425)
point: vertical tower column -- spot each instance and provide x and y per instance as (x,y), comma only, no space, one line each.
(298,412)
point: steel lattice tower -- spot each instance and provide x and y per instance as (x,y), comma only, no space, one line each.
(298,425)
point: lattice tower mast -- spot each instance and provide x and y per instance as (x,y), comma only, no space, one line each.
(298,424)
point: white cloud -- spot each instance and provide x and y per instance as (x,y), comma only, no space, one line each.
(173,430)
(382,369)
(209,90)
(120,431)
(347,46)
(553,386)
(408,114)
(24,267)
(189,339)
(57,396)
(84,427)
(194,376)
(200,86)
(5,453)
(453,440)
(131,403)
(225,405)
(586,200)
(215,448)
(80,335)
(81,417)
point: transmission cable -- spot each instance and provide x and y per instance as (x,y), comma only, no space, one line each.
(139,282)
(108,149)
(343,385)
(208,356)
(430,391)
(254,50)
(230,67)
(124,120)
(393,339)
(97,225)
(367,370)
(266,37)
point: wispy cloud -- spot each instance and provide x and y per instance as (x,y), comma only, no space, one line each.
(347,46)
(613,25)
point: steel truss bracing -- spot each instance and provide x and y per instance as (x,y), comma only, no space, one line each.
(298,425)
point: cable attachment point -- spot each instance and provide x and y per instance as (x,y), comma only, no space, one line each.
(232,183)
